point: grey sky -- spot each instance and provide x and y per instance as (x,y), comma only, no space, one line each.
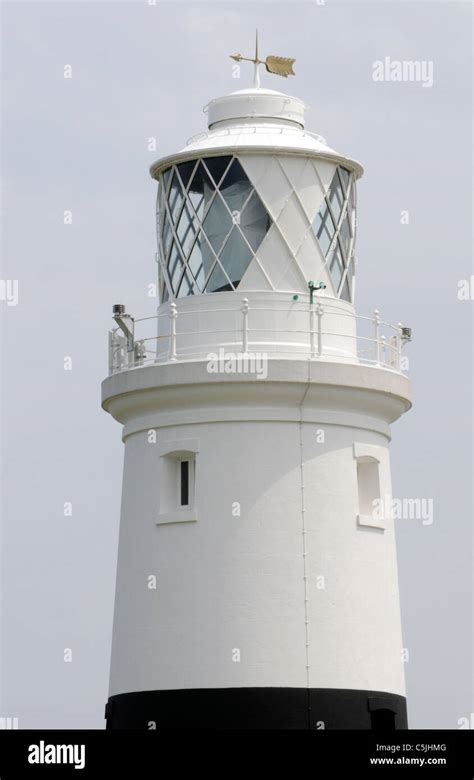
(141,71)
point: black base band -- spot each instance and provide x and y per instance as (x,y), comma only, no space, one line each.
(257,708)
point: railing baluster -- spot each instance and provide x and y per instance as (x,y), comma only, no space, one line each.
(111,352)
(245,325)
(320,313)
(383,350)
(377,335)
(312,335)
(173,317)
(398,356)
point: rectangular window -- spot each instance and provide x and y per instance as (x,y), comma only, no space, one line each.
(176,483)
(368,484)
(184,482)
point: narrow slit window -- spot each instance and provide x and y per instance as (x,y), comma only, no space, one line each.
(184,482)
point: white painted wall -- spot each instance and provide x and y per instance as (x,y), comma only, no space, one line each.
(226,582)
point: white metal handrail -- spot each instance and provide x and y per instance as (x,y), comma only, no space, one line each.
(377,349)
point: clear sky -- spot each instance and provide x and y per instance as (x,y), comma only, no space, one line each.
(142,71)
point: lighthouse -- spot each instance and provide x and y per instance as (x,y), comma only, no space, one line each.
(257,581)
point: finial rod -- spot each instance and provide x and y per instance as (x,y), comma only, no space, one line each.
(256,80)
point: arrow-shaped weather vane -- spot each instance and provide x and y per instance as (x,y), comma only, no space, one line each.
(281,66)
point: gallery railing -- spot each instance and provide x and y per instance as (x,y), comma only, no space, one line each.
(374,341)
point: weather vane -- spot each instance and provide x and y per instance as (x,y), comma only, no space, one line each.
(281,66)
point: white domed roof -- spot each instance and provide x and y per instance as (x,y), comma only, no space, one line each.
(256,119)
(256,103)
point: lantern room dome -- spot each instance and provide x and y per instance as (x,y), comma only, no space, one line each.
(265,105)
(254,120)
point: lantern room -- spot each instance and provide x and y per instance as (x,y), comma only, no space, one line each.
(256,204)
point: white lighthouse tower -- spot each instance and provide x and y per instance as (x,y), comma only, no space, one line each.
(257,577)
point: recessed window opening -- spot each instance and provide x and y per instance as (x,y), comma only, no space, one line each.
(382,720)
(177,482)
(184,472)
(368,482)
